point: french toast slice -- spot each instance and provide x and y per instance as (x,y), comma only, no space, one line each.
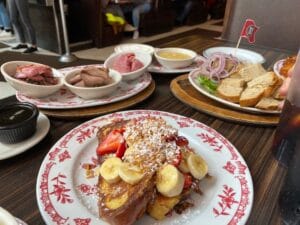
(122,203)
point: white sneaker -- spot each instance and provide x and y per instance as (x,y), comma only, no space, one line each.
(129,28)
(6,34)
(136,34)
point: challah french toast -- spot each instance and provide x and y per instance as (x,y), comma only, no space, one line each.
(144,166)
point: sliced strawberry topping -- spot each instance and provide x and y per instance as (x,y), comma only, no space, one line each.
(177,159)
(112,143)
(188,180)
(181,141)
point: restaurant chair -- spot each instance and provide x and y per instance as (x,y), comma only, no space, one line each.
(278,22)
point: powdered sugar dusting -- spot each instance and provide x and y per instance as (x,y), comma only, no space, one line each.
(147,141)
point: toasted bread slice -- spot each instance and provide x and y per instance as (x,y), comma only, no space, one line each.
(229,93)
(251,96)
(122,203)
(267,81)
(230,89)
(268,104)
(251,71)
(234,82)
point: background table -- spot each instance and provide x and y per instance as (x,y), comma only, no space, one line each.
(18,174)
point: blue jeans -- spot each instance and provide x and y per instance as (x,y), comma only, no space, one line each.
(136,11)
(4,18)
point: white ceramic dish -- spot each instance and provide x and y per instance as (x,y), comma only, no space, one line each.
(62,184)
(6,218)
(8,70)
(175,63)
(245,55)
(65,99)
(93,92)
(134,47)
(145,58)
(155,67)
(10,150)
(192,79)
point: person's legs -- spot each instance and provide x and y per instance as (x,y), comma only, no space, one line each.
(186,10)
(4,17)
(14,19)
(139,9)
(143,8)
(23,11)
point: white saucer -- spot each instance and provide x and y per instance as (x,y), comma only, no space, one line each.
(10,150)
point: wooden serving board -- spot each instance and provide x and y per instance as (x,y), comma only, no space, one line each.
(185,92)
(102,109)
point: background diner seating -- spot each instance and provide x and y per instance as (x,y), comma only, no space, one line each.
(101,32)
(198,13)
(159,19)
(278,22)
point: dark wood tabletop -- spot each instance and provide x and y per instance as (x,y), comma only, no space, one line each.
(18,174)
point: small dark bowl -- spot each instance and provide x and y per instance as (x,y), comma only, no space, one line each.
(17,122)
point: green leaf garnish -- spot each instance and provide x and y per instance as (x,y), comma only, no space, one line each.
(208,84)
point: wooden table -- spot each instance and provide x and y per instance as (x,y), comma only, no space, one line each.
(18,174)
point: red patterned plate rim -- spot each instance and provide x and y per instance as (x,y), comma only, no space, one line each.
(61,182)
(65,99)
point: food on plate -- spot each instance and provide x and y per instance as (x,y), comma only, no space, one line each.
(261,86)
(287,65)
(231,89)
(247,85)
(218,66)
(250,71)
(145,166)
(126,63)
(91,76)
(268,103)
(173,55)
(36,74)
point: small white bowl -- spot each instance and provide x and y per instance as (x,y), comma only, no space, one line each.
(93,92)
(6,218)
(145,58)
(175,63)
(8,70)
(134,47)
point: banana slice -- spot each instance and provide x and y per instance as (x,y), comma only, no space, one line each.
(169,181)
(197,166)
(6,218)
(109,170)
(183,166)
(130,174)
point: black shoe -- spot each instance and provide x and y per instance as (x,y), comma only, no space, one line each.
(19,46)
(30,50)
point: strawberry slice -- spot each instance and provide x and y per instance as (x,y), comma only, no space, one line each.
(121,149)
(188,180)
(112,143)
(177,160)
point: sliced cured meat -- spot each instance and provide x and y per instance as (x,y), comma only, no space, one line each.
(91,76)
(126,63)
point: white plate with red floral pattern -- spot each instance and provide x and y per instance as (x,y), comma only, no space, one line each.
(65,99)
(66,196)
